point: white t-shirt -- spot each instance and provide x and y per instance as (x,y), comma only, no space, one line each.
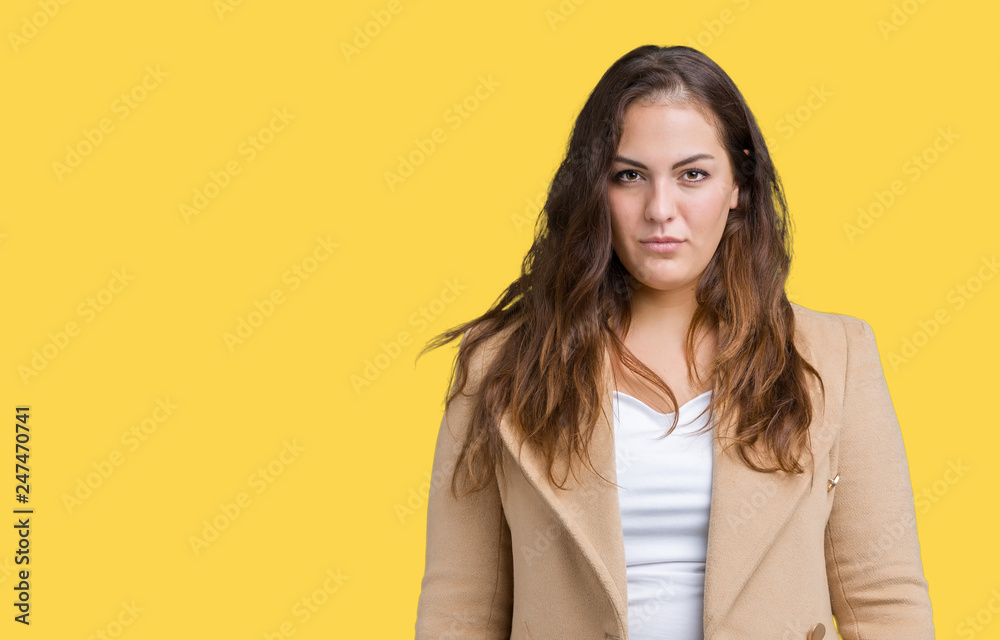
(665,494)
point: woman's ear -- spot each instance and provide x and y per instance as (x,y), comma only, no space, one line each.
(735,198)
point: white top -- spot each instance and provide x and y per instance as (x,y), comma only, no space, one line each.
(665,491)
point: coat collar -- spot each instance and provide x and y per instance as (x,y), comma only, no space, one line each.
(748,510)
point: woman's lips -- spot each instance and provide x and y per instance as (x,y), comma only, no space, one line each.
(662,247)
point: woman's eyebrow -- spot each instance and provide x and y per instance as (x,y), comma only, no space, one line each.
(697,156)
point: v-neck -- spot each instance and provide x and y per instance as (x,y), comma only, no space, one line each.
(683,408)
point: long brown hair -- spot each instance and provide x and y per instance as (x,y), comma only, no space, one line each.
(551,328)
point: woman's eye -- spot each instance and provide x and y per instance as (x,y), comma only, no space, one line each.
(628,176)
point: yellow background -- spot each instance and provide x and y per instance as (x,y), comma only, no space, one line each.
(338,504)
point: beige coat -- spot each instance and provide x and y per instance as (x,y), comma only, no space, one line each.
(786,553)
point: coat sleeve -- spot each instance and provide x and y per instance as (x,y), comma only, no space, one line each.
(467,587)
(877,585)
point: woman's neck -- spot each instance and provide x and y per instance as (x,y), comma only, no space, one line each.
(663,314)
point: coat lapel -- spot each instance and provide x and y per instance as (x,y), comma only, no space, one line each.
(748,510)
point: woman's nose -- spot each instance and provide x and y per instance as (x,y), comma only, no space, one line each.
(662,203)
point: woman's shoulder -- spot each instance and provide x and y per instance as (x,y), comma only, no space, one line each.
(485,348)
(479,353)
(823,332)
(817,320)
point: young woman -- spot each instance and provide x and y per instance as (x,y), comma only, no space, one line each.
(645,438)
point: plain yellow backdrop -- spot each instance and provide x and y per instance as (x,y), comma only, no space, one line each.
(217,271)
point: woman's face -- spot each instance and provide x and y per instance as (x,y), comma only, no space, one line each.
(671,178)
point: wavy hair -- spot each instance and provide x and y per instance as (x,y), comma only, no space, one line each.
(572,301)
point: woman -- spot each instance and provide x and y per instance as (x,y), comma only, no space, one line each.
(645,438)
